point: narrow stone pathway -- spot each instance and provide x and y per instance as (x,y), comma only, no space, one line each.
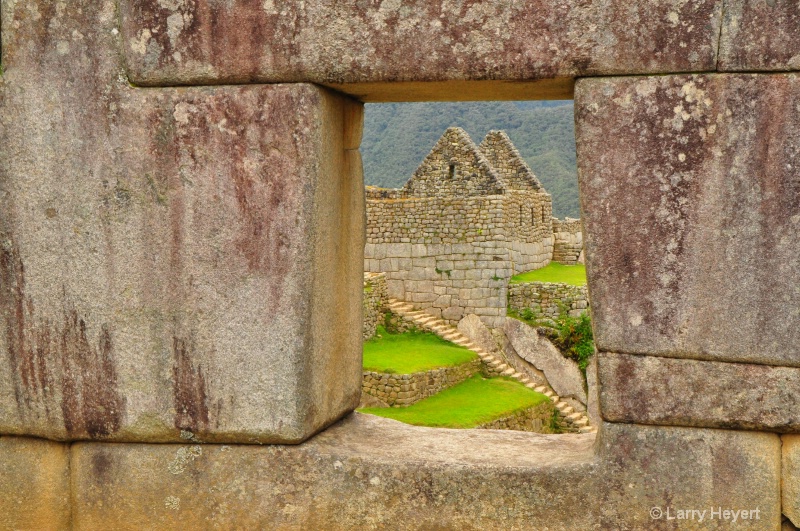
(576,419)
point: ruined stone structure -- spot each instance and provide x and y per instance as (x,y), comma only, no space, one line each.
(374,300)
(567,241)
(181,225)
(468,219)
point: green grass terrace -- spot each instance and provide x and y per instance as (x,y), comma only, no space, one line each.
(412,352)
(554,272)
(471,403)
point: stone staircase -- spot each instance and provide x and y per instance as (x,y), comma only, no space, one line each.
(576,419)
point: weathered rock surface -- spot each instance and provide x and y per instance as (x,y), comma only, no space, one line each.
(691,206)
(760,35)
(34,484)
(170,259)
(369,472)
(519,363)
(593,392)
(790,477)
(360,47)
(677,392)
(563,375)
(472,327)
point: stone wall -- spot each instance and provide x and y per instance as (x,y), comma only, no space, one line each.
(454,256)
(374,302)
(548,298)
(536,419)
(405,389)
(173,257)
(568,244)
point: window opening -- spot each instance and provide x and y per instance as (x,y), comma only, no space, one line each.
(447,251)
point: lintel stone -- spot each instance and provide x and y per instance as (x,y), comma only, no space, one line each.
(419,50)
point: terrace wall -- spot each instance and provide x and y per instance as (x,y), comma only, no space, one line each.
(547,298)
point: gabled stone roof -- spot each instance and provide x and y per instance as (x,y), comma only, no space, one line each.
(508,163)
(455,166)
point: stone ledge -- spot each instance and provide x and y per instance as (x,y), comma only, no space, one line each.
(680,392)
(369,472)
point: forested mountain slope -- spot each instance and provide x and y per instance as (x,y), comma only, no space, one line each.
(397,136)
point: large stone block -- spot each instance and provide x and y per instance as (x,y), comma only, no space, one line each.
(369,472)
(374,50)
(691,207)
(760,35)
(34,484)
(191,285)
(668,391)
(170,259)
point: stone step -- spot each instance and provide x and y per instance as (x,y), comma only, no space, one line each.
(517,375)
(574,416)
(548,393)
(587,429)
(568,411)
(509,371)
(540,389)
(555,398)
(581,422)
(531,386)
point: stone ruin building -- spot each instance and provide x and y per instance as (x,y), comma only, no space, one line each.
(181,272)
(468,219)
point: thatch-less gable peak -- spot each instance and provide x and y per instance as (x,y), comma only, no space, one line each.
(455,166)
(505,159)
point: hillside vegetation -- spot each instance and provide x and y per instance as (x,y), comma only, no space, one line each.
(397,136)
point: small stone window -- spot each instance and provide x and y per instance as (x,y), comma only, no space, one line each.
(451,170)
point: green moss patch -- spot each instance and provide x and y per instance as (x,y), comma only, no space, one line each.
(554,272)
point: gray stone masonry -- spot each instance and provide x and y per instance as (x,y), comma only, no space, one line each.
(568,244)
(374,300)
(547,299)
(405,389)
(467,220)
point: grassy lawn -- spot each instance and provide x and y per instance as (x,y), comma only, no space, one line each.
(471,403)
(556,273)
(412,352)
